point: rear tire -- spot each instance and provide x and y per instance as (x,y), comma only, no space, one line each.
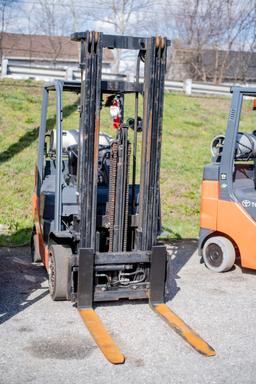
(219,254)
(59,269)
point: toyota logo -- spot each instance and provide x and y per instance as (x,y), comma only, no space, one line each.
(246,203)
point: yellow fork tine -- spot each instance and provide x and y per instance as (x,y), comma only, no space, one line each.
(101,336)
(176,323)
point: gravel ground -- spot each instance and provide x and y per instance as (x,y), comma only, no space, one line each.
(46,342)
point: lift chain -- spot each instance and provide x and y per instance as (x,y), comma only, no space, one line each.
(127,198)
(112,189)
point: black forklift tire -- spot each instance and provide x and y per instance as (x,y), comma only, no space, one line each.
(59,269)
(219,254)
(35,254)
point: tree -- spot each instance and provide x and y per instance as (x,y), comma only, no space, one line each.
(212,30)
(122,16)
(6,8)
(52,18)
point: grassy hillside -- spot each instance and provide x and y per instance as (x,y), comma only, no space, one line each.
(190,123)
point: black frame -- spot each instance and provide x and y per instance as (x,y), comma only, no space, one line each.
(145,250)
(154,50)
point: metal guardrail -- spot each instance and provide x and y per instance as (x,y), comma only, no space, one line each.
(194,87)
(46,73)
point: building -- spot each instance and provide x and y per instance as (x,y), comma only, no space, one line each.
(20,53)
(210,65)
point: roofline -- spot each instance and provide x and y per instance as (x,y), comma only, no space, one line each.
(105,61)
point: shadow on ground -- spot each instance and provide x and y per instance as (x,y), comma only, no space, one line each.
(23,142)
(180,252)
(19,279)
(31,135)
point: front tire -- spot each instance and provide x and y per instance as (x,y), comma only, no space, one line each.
(219,254)
(59,269)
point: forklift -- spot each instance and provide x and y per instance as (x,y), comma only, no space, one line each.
(228,199)
(95,224)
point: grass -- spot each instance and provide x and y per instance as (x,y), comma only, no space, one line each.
(189,125)
(18,134)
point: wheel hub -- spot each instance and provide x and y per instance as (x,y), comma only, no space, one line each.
(214,255)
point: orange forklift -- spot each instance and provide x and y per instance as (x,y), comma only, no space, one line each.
(96,225)
(228,200)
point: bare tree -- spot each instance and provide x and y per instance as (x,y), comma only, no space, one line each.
(6,7)
(50,19)
(211,31)
(123,16)
(61,17)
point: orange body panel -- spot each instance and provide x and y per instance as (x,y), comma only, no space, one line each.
(209,204)
(234,221)
(43,249)
(229,218)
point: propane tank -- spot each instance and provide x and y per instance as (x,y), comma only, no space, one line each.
(245,146)
(217,146)
(68,138)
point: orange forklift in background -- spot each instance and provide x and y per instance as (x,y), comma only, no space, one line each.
(228,200)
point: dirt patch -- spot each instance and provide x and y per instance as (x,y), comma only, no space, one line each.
(25,329)
(136,362)
(62,348)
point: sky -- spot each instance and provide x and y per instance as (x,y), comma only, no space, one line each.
(62,17)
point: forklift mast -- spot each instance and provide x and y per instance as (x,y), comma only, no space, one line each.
(153,52)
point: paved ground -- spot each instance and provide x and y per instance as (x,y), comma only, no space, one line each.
(46,342)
